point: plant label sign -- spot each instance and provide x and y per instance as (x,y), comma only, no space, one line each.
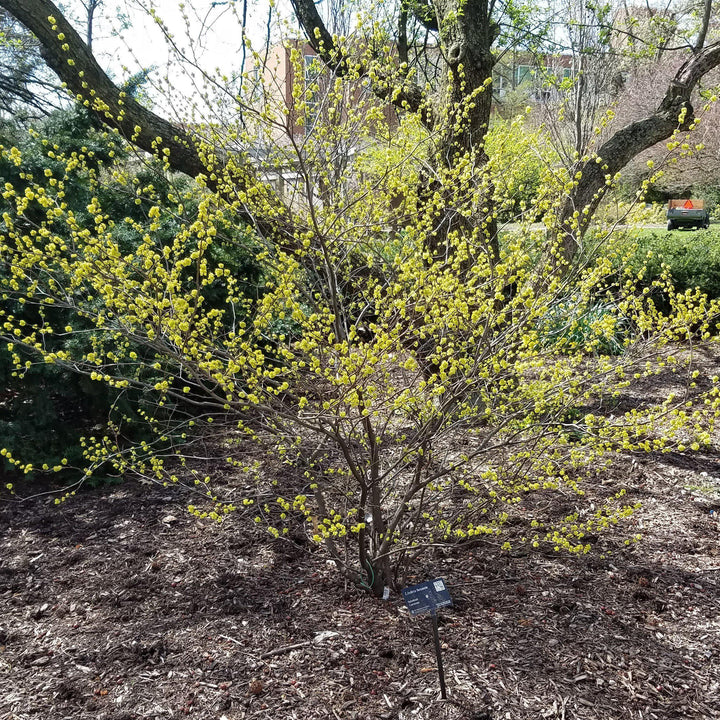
(427,597)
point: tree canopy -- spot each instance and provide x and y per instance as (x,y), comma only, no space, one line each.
(463,40)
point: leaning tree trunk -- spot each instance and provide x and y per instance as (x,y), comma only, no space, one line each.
(70,58)
(675,112)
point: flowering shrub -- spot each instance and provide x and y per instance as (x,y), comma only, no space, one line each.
(396,355)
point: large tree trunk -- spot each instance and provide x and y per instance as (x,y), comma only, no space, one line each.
(466,40)
(77,68)
(674,112)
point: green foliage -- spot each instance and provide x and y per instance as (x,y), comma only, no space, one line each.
(592,327)
(520,161)
(520,165)
(44,412)
(46,409)
(691,258)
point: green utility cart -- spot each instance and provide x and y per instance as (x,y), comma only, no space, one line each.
(687,213)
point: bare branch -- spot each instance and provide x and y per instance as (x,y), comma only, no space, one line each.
(409,97)
(702,35)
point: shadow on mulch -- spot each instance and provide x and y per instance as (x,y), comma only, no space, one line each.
(120,605)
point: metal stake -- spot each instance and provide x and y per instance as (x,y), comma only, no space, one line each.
(438,653)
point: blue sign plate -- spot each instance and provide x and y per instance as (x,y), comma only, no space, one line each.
(427,597)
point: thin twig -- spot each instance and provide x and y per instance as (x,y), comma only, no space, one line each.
(285,649)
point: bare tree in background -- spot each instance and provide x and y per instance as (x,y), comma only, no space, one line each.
(90,6)
(27,90)
(593,81)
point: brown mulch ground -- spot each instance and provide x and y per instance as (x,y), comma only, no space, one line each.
(119,605)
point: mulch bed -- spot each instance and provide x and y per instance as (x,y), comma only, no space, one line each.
(119,605)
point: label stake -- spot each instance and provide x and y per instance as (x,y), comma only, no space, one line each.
(427,597)
(438,654)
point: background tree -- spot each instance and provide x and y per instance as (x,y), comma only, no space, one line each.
(464,41)
(90,7)
(27,90)
(674,111)
(577,99)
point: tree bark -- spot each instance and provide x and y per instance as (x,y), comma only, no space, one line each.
(626,143)
(86,80)
(91,86)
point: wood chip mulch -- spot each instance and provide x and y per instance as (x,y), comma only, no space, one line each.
(118,605)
